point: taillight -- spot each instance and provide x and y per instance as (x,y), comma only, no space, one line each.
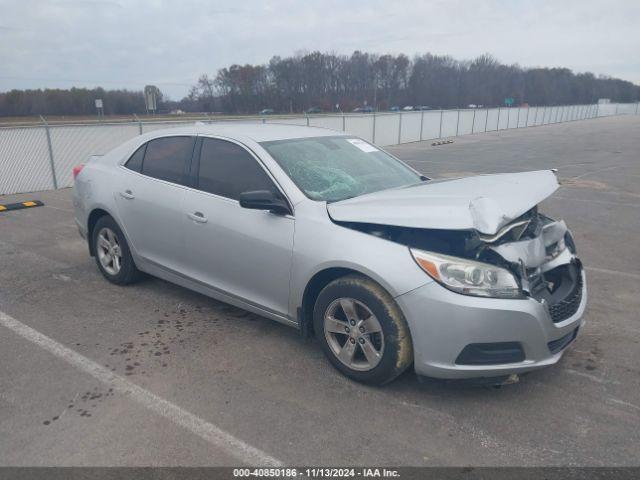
(77,170)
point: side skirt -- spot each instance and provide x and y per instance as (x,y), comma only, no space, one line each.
(172,276)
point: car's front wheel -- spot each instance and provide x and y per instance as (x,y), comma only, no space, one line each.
(362,330)
(112,252)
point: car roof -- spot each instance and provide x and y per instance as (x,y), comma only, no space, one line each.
(258,132)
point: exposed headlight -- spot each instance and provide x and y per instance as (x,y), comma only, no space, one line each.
(467,276)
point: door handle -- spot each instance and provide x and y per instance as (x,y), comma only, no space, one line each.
(197,217)
(127,194)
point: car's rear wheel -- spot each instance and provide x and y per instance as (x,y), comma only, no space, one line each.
(362,330)
(112,252)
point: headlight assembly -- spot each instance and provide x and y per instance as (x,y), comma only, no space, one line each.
(468,277)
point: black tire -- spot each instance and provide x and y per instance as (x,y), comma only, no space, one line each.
(397,353)
(127,273)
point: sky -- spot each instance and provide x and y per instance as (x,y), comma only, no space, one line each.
(130,43)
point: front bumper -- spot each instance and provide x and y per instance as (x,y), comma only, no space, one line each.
(443,323)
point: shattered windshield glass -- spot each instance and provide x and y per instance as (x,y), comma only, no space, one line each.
(336,168)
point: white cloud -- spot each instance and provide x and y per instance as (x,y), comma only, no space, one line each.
(130,43)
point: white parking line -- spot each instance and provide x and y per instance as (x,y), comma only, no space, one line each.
(591,200)
(200,427)
(613,272)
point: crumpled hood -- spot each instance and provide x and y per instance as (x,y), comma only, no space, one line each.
(484,203)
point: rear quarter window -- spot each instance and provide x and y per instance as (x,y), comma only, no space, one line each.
(135,161)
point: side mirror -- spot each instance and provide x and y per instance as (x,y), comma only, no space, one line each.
(264,200)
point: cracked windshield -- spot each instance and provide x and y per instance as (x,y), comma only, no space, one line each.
(336,168)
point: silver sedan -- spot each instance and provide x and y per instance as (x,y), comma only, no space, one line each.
(327,233)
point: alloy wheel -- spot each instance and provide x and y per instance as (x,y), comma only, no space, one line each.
(109,251)
(354,334)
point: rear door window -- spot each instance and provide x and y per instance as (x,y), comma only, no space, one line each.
(166,158)
(227,169)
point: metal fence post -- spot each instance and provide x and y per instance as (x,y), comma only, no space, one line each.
(526,122)
(508,117)
(307,120)
(518,119)
(400,130)
(486,119)
(139,123)
(422,122)
(373,136)
(457,122)
(344,129)
(51,161)
(440,133)
(473,121)
(498,121)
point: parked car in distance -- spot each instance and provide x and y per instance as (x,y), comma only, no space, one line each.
(327,233)
(395,108)
(313,110)
(407,108)
(266,111)
(423,107)
(364,109)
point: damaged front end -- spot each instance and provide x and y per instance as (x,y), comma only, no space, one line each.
(542,254)
(538,252)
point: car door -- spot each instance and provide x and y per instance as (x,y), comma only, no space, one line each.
(149,199)
(241,252)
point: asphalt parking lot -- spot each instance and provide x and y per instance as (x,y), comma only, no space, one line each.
(182,377)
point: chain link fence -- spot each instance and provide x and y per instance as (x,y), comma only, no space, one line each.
(42,157)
